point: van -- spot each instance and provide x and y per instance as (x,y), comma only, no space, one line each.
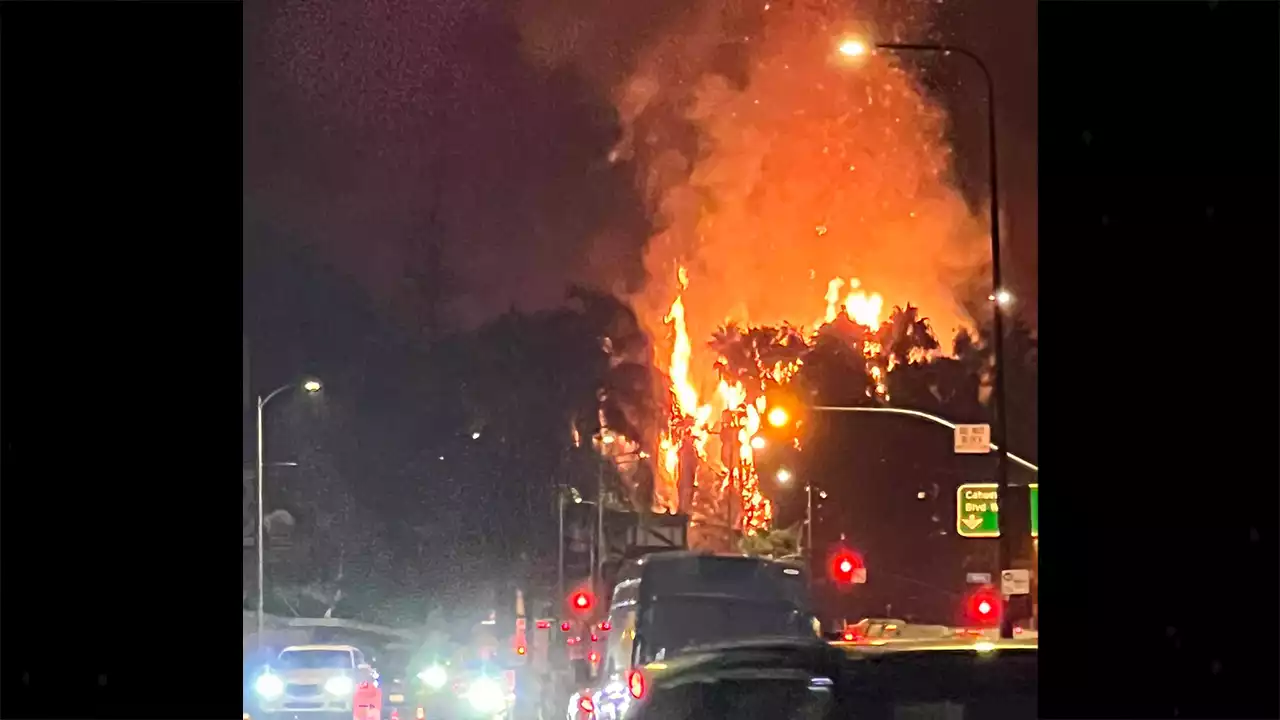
(665,603)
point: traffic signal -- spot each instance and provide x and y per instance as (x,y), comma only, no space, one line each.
(846,567)
(982,607)
(581,601)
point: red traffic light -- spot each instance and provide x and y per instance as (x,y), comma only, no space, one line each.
(845,566)
(580,600)
(982,607)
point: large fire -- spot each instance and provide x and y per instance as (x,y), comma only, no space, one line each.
(807,172)
(690,423)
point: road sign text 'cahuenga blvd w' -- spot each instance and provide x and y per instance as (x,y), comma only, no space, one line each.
(978,510)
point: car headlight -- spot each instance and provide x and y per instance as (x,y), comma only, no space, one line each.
(486,696)
(435,677)
(269,686)
(339,685)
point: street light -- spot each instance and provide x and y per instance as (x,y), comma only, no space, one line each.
(311,385)
(785,476)
(778,416)
(854,47)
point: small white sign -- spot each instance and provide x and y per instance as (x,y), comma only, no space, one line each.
(860,576)
(973,439)
(978,578)
(1015,582)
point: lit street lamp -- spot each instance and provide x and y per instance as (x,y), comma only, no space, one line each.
(784,476)
(855,48)
(311,386)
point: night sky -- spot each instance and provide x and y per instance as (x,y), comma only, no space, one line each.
(371,127)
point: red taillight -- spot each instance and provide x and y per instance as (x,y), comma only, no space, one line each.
(848,636)
(593,656)
(595,638)
(635,684)
(586,705)
(1017,630)
(564,627)
(605,626)
(543,624)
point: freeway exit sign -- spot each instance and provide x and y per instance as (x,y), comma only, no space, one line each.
(978,510)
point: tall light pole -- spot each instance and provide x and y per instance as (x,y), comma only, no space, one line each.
(854,48)
(784,476)
(311,386)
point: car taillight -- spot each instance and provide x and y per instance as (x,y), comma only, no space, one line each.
(635,684)
(586,705)
(849,636)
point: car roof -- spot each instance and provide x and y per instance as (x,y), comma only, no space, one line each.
(672,555)
(936,644)
(308,648)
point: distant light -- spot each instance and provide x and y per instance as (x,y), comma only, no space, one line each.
(921,495)
(576,500)
(984,646)
(854,48)
(312,386)
(606,438)
(846,566)
(778,417)
(784,475)
(822,494)
(475,436)
(758,442)
(1003,297)
(984,607)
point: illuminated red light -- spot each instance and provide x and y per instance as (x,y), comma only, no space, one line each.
(581,600)
(594,638)
(635,684)
(846,566)
(564,627)
(543,624)
(586,705)
(848,636)
(984,607)
(593,656)
(606,626)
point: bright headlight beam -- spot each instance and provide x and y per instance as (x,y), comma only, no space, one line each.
(339,685)
(269,686)
(435,677)
(486,696)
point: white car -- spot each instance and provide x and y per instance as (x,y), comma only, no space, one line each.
(319,680)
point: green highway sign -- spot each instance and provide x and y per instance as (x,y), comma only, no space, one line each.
(978,510)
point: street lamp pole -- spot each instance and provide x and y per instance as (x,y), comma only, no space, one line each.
(1000,424)
(311,386)
(560,565)
(808,518)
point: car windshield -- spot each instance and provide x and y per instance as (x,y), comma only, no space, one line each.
(314,659)
(920,685)
(673,624)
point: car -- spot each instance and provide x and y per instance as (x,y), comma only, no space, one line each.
(665,602)
(788,677)
(318,682)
